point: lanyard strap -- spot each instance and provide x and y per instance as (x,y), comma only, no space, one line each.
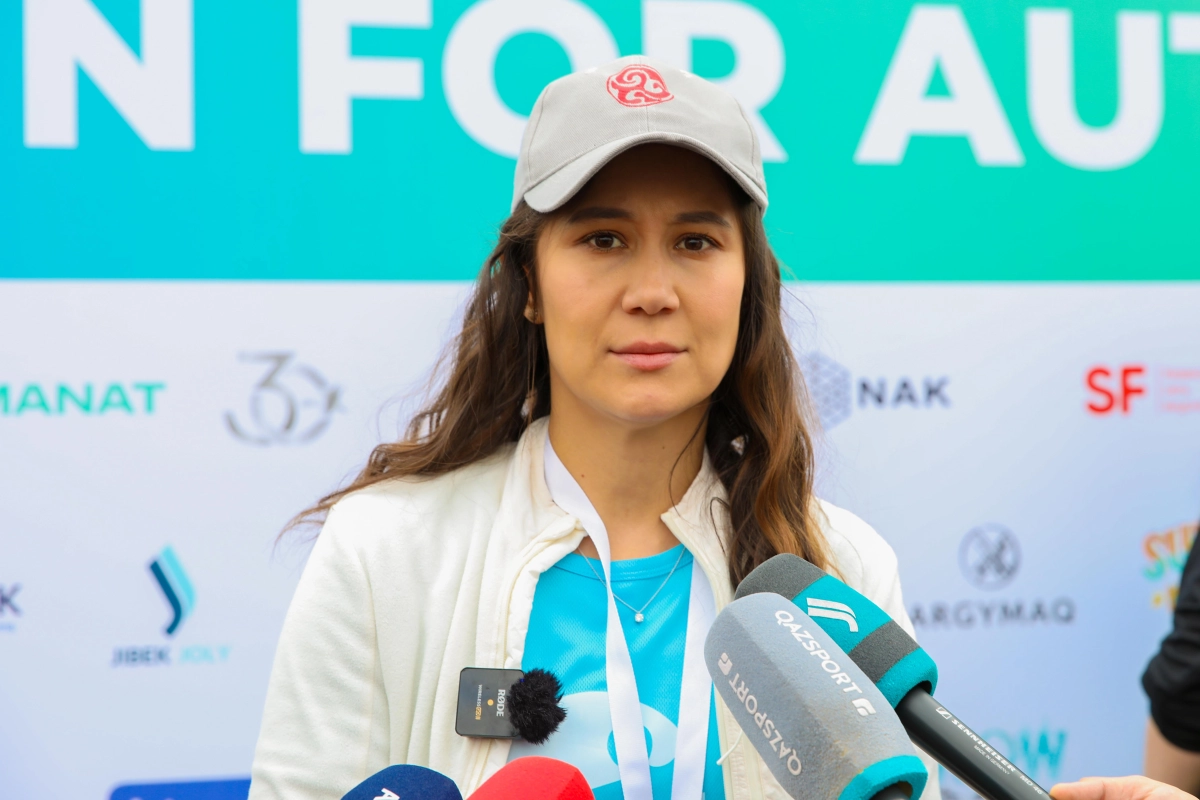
(695,692)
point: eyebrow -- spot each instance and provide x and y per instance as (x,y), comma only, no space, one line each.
(710,217)
(589,213)
(598,212)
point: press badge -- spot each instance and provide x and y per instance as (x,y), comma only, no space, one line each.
(483,703)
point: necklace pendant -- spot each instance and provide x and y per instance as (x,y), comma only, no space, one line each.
(639,617)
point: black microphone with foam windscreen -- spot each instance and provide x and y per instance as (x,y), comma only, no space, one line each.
(820,725)
(903,672)
(535,778)
(405,781)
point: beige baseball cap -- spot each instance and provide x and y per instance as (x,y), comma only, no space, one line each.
(582,121)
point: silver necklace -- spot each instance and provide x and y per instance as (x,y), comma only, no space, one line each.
(638,616)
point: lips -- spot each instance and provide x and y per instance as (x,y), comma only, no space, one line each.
(648,356)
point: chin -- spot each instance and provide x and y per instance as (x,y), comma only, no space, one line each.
(648,412)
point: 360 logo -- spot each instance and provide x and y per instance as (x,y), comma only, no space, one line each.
(291,404)
(176,587)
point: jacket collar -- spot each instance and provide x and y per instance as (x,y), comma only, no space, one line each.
(699,519)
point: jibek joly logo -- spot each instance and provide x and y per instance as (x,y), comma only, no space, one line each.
(1166,553)
(86,399)
(176,588)
(1123,389)
(178,592)
(291,403)
(836,392)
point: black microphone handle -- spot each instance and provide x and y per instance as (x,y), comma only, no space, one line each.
(960,750)
(897,791)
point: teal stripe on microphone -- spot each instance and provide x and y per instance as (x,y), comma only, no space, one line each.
(879,776)
(840,611)
(888,655)
(914,669)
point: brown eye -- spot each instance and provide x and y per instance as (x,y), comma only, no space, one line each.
(604,241)
(694,244)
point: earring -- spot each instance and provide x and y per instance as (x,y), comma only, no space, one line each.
(532,314)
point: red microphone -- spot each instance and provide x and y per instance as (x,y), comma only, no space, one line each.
(535,778)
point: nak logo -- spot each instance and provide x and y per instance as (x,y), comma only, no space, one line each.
(833,610)
(836,392)
(291,403)
(176,588)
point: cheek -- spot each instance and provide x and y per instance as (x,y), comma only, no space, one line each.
(573,310)
(718,314)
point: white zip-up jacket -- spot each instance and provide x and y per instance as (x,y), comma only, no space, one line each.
(412,580)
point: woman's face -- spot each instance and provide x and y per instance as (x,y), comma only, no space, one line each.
(641,278)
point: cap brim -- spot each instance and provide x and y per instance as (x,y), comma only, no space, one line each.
(566,181)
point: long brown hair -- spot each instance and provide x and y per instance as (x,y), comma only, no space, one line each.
(498,383)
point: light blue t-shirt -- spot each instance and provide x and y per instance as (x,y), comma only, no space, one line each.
(566,637)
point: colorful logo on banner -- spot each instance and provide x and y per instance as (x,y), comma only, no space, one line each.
(1166,553)
(84,398)
(175,586)
(179,594)
(983,139)
(837,393)
(1123,389)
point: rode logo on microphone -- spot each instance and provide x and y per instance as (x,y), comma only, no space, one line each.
(764,722)
(637,86)
(388,794)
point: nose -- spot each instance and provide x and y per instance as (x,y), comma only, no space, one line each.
(651,288)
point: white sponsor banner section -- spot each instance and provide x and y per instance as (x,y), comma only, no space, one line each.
(958,425)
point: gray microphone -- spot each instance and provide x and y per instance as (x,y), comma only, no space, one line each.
(816,719)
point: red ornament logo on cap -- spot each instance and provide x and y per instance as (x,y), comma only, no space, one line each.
(638,85)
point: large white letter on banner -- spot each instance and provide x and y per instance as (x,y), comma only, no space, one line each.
(670,26)
(154,94)
(1184,32)
(468,63)
(937,36)
(1051,77)
(330,78)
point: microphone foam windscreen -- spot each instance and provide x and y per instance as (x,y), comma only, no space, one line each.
(535,778)
(819,724)
(878,645)
(405,781)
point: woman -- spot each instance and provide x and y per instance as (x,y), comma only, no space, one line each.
(619,441)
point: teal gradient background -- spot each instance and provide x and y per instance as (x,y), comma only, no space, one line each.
(418,199)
